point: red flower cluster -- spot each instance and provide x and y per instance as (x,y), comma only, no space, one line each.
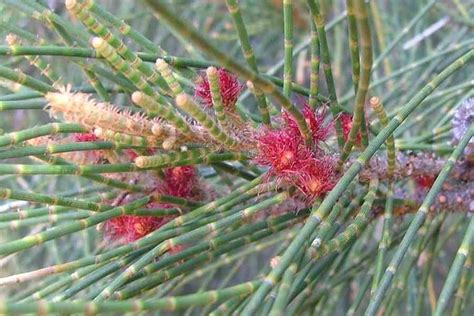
(178,181)
(292,162)
(229,86)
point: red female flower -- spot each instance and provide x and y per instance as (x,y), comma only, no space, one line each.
(178,181)
(229,86)
(315,120)
(281,151)
(317,177)
(346,122)
(128,228)
(313,173)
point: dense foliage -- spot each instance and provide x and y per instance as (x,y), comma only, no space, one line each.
(236,157)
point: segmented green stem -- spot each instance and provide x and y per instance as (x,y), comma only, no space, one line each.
(60,148)
(47,129)
(167,112)
(420,305)
(358,119)
(455,270)
(66,169)
(195,38)
(186,103)
(425,232)
(234,10)
(98,274)
(332,197)
(218,106)
(51,209)
(44,68)
(35,104)
(315,61)
(81,11)
(68,228)
(354,229)
(462,291)
(125,67)
(382,115)
(282,298)
(168,303)
(124,140)
(288,35)
(327,224)
(271,224)
(197,233)
(416,224)
(386,237)
(94,177)
(318,19)
(21,78)
(123,27)
(167,74)
(154,237)
(171,158)
(227,253)
(353,43)
(6,194)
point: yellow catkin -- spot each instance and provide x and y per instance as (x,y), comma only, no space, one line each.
(83,109)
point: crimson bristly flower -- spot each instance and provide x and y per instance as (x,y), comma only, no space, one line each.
(178,181)
(281,151)
(315,120)
(229,86)
(317,177)
(346,122)
(128,228)
(311,170)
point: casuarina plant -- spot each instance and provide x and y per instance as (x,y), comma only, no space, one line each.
(236,157)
